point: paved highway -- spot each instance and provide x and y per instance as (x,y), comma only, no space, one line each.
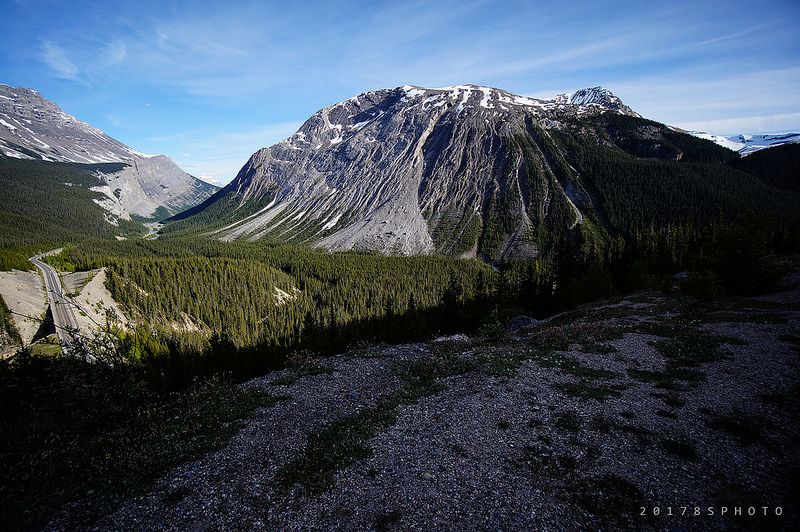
(63,314)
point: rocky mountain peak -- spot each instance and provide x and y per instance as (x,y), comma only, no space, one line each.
(417,170)
(601,98)
(595,99)
(33,127)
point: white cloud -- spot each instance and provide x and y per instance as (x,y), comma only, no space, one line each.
(55,58)
(735,35)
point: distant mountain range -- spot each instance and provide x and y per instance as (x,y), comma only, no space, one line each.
(466,170)
(475,171)
(747,144)
(32,127)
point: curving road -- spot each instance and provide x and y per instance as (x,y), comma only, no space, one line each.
(63,315)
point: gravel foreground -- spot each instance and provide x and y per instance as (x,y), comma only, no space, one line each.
(651,404)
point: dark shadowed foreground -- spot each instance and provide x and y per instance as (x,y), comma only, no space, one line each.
(583,421)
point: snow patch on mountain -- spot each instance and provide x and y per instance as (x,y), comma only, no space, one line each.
(595,99)
(746,144)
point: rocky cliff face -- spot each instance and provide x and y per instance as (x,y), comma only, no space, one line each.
(149,183)
(463,170)
(32,127)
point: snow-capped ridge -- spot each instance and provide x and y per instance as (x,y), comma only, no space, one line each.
(338,122)
(746,144)
(469,95)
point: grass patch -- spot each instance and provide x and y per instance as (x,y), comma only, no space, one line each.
(386,520)
(671,399)
(601,423)
(560,333)
(609,497)
(598,348)
(572,366)
(668,380)
(775,398)
(345,441)
(792,339)
(740,314)
(544,463)
(684,349)
(340,444)
(667,414)
(46,348)
(367,350)
(199,419)
(501,363)
(313,367)
(591,314)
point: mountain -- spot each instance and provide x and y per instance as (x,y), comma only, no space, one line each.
(747,144)
(32,127)
(475,171)
(50,203)
(777,167)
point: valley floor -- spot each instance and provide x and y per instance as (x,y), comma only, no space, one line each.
(579,422)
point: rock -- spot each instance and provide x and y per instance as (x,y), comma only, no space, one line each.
(452,338)
(521,322)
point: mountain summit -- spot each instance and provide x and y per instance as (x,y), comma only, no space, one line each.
(32,127)
(463,170)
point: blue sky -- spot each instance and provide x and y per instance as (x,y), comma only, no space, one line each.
(208,83)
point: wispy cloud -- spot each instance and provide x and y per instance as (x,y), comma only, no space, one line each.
(692,97)
(737,34)
(56,58)
(219,155)
(113,53)
(212,74)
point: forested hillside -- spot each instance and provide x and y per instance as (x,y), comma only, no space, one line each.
(47,203)
(246,306)
(660,195)
(778,166)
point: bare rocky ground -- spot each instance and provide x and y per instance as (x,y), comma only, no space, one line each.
(94,301)
(579,422)
(25,295)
